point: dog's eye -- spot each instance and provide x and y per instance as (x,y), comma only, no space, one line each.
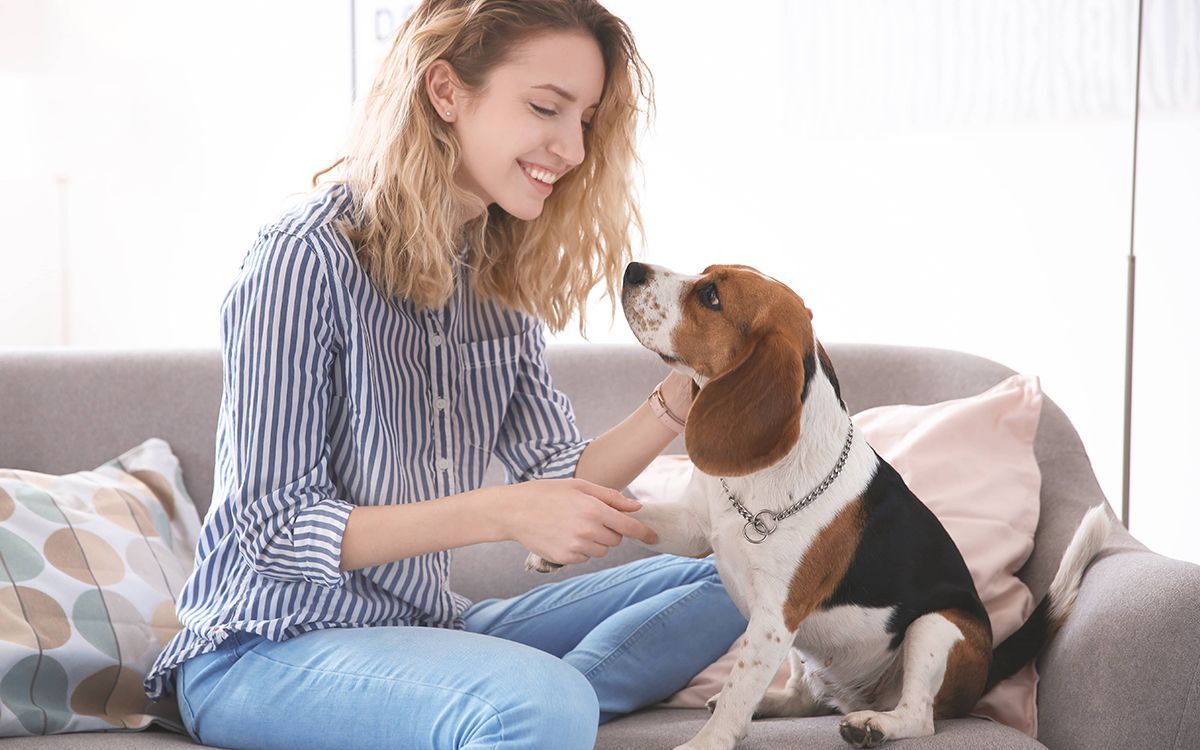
(708,297)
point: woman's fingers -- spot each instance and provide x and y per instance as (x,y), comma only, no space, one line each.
(630,526)
(608,537)
(595,549)
(618,505)
(609,496)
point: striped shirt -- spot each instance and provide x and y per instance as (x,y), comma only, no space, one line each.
(336,395)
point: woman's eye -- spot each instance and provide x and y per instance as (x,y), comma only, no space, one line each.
(709,298)
(543,111)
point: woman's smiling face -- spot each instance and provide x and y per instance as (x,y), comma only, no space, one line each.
(526,129)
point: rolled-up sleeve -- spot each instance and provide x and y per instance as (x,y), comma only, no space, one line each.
(538,439)
(278,341)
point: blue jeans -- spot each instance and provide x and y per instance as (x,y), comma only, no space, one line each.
(539,670)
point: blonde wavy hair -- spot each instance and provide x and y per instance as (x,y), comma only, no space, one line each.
(401,158)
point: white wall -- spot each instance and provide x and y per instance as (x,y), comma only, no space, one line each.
(145,142)
(951,173)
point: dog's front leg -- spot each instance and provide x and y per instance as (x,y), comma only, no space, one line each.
(680,530)
(762,651)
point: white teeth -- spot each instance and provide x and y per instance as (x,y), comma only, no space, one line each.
(541,175)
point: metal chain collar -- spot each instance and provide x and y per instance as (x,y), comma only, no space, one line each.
(765,522)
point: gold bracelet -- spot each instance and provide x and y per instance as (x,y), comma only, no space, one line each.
(658,405)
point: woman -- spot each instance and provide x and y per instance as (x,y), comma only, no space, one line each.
(383,342)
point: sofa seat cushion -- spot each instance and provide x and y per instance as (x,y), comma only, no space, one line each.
(151,739)
(668,727)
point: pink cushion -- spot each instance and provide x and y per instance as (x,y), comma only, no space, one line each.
(971,461)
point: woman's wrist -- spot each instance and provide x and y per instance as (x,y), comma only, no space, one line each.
(671,400)
(663,412)
(491,506)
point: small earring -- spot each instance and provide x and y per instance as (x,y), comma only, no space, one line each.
(448,113)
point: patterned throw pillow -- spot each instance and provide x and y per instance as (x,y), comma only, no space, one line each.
(90,566)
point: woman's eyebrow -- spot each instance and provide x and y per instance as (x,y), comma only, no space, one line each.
(562,92)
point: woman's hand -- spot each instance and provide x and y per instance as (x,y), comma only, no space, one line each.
(568,521)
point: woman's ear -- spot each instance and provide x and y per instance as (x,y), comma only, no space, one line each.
(444,90)
(749,417)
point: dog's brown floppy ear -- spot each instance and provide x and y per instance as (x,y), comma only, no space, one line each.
(749,417)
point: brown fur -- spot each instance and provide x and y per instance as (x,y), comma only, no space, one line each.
(966,667)
(824,564)
(747,416)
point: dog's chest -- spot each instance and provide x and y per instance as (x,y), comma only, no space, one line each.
(758,575)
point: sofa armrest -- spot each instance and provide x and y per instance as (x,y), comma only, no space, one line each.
(1125,669)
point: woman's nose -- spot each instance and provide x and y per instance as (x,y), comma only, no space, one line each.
(570,147)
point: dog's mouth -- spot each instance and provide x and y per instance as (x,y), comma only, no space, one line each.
(664,357)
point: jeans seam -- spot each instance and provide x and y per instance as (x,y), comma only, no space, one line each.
(600,589)
(196,716)
(195,730)
(637,633)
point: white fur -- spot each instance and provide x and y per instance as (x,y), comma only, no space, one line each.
(655,305)
(1088,540)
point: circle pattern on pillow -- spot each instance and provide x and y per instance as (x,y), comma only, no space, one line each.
(91,565)
(35,689)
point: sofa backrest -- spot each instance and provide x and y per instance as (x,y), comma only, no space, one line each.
(64,410)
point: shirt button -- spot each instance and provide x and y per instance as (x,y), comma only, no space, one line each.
(443,463)
(440,403)
(437,340)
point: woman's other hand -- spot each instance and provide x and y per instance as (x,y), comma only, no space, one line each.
(567,521)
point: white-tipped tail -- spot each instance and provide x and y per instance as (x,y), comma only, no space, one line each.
(1089,539)
(1054,608)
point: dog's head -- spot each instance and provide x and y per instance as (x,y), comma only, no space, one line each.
(748,341)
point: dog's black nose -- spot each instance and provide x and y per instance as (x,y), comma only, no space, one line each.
(635,273)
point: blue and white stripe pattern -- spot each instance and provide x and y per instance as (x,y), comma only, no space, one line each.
(335,396)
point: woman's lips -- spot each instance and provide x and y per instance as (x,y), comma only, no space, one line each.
(543,188)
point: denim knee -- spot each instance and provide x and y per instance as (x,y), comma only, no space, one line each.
(572,708)
(558,704)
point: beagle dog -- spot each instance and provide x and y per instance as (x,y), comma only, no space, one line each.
(836,565)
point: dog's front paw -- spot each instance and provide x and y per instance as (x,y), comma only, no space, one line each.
(711,742)
(538,564)
(862,729)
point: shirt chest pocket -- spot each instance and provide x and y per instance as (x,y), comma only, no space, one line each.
(487,376)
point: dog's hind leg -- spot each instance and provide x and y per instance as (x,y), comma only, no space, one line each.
(796,698)
(927,645)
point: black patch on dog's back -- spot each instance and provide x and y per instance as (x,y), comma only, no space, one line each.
(810,367)
(827,366)
(905,559)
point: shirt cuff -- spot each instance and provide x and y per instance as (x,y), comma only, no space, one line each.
(561,465)
(317,533)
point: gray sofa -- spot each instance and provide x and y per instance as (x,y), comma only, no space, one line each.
(1124,673)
